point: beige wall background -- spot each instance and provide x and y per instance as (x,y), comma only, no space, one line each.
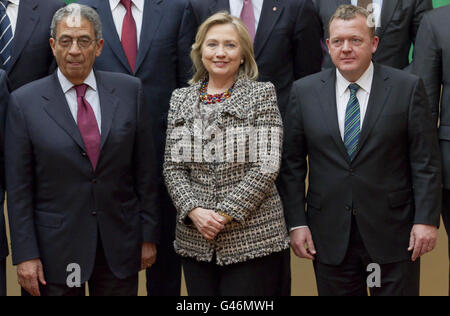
(434,274)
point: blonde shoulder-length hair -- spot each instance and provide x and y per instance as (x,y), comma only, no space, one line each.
(248,69)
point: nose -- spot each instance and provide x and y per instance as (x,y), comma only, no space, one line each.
(347,47)
(74,48)
(220,51)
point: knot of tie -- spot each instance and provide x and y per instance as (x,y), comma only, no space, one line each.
(81,90)
(354,88)
(126,4)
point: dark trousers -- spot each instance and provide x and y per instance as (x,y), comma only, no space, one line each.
(446,218)
(258,277)
(164,277)
(350,278)
(102,282)
(2,277)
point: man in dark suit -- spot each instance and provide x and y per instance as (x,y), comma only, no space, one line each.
(151,40)
(4,97)
(28,53)
(374,193)
(396,23)
(81,176)
(286,38)
(432,63)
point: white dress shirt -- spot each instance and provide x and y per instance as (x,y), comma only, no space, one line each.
(343,95)
(12,11)
(91,96)
(119,11)
(237,5)
(377,6)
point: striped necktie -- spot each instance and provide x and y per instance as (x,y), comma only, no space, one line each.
(352,122)
(6,36)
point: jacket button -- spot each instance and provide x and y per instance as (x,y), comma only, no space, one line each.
(348,208)
(354,212)
(83,154)
(94,213)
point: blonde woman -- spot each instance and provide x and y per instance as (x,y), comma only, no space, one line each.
(222,157)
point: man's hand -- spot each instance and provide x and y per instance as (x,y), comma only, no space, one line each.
(423,239)
(148,255)
(29,274)
(300,238)
(207,222)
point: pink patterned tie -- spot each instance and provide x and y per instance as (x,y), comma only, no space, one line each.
(248,17)
(129,35)
(88,126)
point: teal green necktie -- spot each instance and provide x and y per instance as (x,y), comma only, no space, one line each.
(352,122)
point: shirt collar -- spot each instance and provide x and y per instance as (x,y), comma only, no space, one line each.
(66,85)
(138,3)
(365,82)
(16,2)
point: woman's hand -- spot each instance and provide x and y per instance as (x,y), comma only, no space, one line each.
(207,222)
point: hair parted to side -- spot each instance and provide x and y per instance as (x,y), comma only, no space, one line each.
(74,12)
(348,12)
(248,69)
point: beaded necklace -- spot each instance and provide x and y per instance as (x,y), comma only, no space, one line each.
(213,98)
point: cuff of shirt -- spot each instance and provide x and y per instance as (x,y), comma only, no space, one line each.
(295,228)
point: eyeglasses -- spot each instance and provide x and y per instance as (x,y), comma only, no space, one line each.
(82,42)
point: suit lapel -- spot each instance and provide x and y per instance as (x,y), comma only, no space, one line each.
(379,94)
(27,19)
(267,22)
(219,5)
(387,11)
(328,103)
(110,35)
(153,15)
(58,109)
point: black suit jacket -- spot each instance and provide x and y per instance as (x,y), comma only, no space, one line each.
(32,57)
(287,42)
(4,97)
(432,63)
(393,182)
(400,20)
(58,206)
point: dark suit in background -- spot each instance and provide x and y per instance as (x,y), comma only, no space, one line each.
(369,201)
(60,209)
(4,97)
(432,63)
(400,20)
(32,57)
(163,64)
(287,41)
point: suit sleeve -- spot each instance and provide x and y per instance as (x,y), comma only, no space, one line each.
(186,36)
(307,41)
(294,166)
(20,185)
(421,7)
(146,174)
(248,195)
(428,64)
(425,159)
(4,99)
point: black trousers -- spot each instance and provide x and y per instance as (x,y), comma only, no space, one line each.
(164,277)
(2,277)
(446,218)
(264,276)
(350,278)
(102,282)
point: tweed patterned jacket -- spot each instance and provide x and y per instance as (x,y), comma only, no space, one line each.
(230,167)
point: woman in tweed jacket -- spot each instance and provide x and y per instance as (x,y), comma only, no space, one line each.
(222,158)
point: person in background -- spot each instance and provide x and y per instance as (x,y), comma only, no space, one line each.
(374,195)
(432,64)
(231,231)
(396,23)
(151,40)
(80,171)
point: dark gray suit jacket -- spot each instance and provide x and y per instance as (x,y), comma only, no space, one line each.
(32,57)
(432,63)
(4,97)
(287,41)
(400,20)
(393,182)
(57,204)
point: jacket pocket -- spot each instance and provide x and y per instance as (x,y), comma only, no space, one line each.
(49,220)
